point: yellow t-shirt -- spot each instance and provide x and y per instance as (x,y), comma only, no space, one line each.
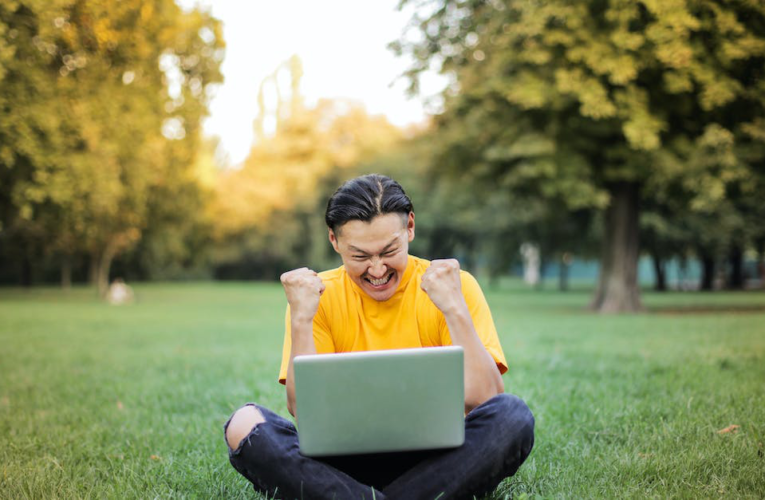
(350,320)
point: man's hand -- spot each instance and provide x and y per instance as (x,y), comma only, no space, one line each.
(303,288)
(441,281)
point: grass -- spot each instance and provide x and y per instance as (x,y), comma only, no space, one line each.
(99,401)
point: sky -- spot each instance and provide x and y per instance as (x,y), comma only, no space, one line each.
(343,48)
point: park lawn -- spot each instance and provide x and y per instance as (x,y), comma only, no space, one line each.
(98,401)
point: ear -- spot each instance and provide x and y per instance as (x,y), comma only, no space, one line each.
(410,225)
(333,240)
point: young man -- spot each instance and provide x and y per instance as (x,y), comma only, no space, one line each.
(384,298)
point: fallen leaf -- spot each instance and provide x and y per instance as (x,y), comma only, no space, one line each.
(120,406)
(730,428)
(155,457)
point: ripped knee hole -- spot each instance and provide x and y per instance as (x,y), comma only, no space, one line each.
(244,420)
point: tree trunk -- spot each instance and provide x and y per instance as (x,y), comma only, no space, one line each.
(660,270)
(100,265)
(66,272)
(707,272)
(563,273)
(93,269)
(618,289)
(104,265)
(736,259)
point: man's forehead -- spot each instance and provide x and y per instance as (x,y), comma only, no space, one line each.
(384,222)
(372,237)
(396,239)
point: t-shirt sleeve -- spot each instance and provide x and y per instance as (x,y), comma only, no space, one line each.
(482,319)
(321,337)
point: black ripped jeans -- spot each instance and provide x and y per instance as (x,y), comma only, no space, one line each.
(499,435)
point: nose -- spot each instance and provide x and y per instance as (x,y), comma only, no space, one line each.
(377,268)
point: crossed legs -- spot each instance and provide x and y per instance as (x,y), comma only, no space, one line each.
(499,436)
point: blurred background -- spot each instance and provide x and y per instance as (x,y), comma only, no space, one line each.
(616,144)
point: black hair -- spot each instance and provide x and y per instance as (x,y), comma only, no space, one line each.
(364,198)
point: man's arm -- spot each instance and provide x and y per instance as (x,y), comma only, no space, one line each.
(442,282)
(302,343)
(303,288)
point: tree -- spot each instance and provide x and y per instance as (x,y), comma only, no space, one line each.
(584,102)
(102,104)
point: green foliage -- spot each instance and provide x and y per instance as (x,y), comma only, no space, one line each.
(102,104)
(566,102)
(596,88)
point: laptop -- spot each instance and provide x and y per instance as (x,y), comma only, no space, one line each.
(380,401)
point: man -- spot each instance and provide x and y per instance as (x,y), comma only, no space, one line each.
(384,298)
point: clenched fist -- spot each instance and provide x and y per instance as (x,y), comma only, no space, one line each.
(441,281)
(303,288)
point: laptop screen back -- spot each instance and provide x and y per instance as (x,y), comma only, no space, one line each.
(380,401)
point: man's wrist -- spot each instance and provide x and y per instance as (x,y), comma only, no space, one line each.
(302,337)
(457,310)
(460,323)
(298,320)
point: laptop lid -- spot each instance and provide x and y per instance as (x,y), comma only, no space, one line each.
(380,401)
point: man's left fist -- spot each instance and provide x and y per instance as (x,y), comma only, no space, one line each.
(441,281)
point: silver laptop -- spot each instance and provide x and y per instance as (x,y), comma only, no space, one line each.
(380,401)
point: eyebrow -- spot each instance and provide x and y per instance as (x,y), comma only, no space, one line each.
(358,250)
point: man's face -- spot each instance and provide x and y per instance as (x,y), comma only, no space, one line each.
(375,253)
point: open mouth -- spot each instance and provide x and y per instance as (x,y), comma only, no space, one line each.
(381,282)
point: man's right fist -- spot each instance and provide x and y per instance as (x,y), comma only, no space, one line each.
(303,288)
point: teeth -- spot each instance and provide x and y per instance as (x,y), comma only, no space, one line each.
(381,281)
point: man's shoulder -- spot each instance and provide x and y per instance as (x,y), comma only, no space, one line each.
(334,280)
(332,277)
(418,264)
(332,274)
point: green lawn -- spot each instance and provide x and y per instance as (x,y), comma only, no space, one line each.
(128,402)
